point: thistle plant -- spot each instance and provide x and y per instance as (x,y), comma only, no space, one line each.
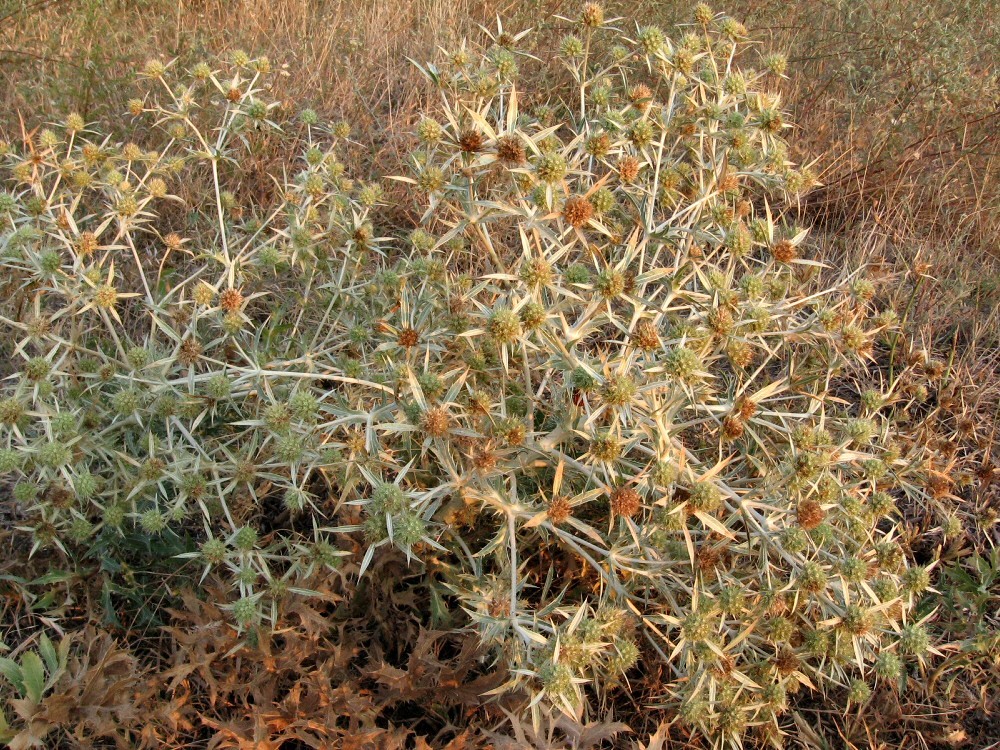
(601,382)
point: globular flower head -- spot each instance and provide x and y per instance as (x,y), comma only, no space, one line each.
(551,167)
(913,639)
(214,551)
(592,16)
(625,501)
(651,39)
(504,326)
(619,390)
(408,530)
(577,211)
(571,46)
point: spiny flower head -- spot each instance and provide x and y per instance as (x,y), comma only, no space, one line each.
(619,390)
(409,529)
(683,364)
(510,150)
(592,15)
(704,497)
(536,272)
(628,166)
(231,300)
(913,639)
(776,64)
(625,501)
(610,283)
(504,326)
(11,410)
(577,211)
(435,422)
(571,46)
(551,167)
(651,39)
(431,179)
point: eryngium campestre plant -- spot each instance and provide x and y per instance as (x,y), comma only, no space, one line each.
(598,384)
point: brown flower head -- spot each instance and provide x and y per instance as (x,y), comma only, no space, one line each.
(645,336)
(470,141)
(625,501)
(784,251)
(628,169)
(810,514)
(510,150)
(733,426)
(559,509)
(189,353)
(408,337)
(640,96)
(231,300)
(578,211)
(435,422)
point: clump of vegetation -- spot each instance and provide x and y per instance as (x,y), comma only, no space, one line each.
(598,395)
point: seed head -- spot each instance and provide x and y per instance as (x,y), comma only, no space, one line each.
(532,315)
(157,187)
(646,336)
(592,16)
(559,509)
(628,169)
(651,39)
(571,46)
(154,68)
(53,455)
(733,29)
(510,150)
(74,123)
(683,364)
(779,629)
(431,179)
(577,211)
(784,251)
(605,448)
(704,497)
(189,352)
(913,639)
(810,514)
(408,337)
(611,283)
(697,627)
(536,272)
(856,620)
(11,410)
(640,96)
(776,64)
(641,134)
(888,666)
(435,422)
(604,201)
(245,611)
(625,501)
(598,145)
(916,580)
(408,530)
(105,297)
(470,141)
(231,300)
